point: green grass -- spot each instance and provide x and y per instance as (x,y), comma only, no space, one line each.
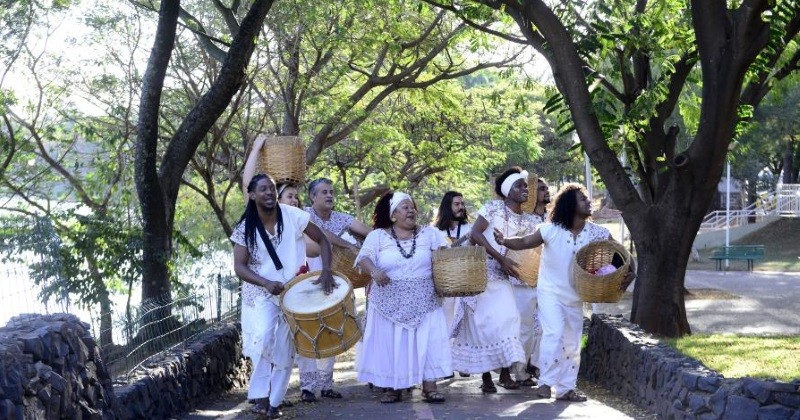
(781,240)
(739,356)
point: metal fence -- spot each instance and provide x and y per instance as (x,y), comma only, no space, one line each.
(130,332)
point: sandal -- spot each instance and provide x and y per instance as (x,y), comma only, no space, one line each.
(508,385)
(488,388)
(573,396)
(527,382)
(329,393)
(391,397)
(258,408)
(308,396)
(543,391)
(432,397)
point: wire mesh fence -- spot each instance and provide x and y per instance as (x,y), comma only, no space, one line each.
(34,279)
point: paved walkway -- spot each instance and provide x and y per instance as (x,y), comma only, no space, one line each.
(762,303)
(738,302)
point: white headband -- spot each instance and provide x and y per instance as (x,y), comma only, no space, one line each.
(396,199)
(281,189)
(505,187)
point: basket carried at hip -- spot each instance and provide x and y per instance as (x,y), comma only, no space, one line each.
(459,271)
(284,158)
(342,260)
(595,256)
(528,260)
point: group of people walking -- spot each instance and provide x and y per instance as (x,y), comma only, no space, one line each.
(411,336)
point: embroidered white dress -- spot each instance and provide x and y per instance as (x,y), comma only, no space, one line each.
(560,307)
(266,339)
(405,338)
(486,327)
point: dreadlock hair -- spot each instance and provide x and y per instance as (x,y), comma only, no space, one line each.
(445,214)
(565,205)
(499,181)
(250,215)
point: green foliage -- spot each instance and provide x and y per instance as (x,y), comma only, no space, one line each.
(86,258)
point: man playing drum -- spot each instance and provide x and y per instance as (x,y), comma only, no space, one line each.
(486,326)
(269,250)
(317,374)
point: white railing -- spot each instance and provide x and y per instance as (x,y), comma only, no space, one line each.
(764,206)
(788,200)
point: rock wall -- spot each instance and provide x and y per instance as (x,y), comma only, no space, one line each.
(632,364)
(51,368)
(179,379)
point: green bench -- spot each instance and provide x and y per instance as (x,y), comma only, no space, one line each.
(750,253)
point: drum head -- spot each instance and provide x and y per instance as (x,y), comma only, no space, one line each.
(304,297)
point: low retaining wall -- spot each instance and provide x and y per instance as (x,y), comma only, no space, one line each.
(632,364)
(180,379)
(51,368)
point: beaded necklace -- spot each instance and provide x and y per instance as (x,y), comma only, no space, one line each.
(400,247)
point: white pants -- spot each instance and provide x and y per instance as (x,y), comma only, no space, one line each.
(315,374)
(267,342)
(268,381)
(560,357)
(530,330)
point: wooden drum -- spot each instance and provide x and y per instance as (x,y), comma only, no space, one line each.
(321,325)
(528,260)
(459,271)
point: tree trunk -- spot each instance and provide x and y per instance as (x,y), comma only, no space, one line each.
(788,162)
(106,322)
(663,234)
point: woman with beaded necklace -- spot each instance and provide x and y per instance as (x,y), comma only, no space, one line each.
(405,338)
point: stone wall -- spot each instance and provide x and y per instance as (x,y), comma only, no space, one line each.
(654,376)
(176,381)
(51,368)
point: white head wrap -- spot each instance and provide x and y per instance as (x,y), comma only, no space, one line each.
(282,188)
(505,187)
(396,199)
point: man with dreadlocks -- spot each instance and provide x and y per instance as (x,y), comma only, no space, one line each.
(560,307)
(269,250)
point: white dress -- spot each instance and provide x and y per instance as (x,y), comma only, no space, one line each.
(486,327)
(405,338)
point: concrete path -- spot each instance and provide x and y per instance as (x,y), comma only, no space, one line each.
(761,303)
(735,302)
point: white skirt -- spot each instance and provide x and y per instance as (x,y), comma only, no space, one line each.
(392,356)
(488,336)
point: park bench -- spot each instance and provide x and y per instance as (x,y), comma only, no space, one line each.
(750,253)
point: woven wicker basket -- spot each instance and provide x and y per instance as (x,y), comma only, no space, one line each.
(342,261)
(528,260)
(459,271)
(284,158)
(533,193)
(594,288)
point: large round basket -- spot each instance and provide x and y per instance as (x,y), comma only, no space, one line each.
(533,194)
(459,271)
(528,260)
(602,288)
(284,158)
(342,261)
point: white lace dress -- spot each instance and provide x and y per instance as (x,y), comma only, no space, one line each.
(486,327)
(405,338)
